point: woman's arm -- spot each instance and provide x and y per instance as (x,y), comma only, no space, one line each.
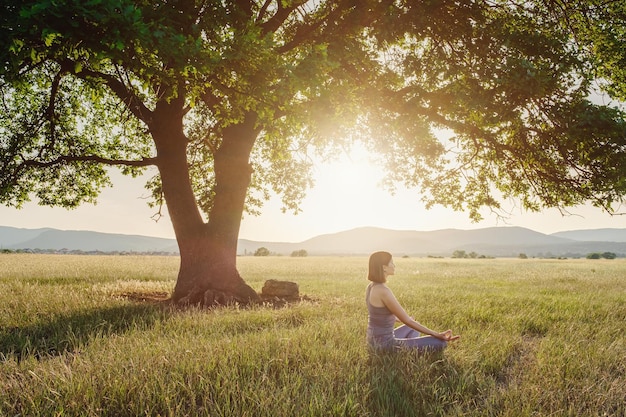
(394,306)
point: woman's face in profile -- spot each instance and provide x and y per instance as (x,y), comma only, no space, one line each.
(390,268)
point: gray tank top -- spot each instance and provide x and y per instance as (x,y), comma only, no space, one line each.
(380,323)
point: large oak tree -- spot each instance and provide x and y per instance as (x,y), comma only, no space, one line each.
(228,98)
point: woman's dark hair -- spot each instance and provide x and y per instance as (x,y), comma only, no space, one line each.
(377,261)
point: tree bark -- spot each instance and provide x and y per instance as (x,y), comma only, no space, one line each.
(208,251)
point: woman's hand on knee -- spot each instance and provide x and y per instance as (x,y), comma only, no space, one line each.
(448,336)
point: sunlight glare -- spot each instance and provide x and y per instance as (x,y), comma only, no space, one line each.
(351,173)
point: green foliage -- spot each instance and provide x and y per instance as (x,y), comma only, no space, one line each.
(262,251)
(89,83)
(301,253)
(75,340)
(604,255)
(601,43)
(460,254)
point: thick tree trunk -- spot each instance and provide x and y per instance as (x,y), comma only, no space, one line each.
(208,251)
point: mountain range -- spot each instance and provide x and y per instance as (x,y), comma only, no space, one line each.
(492,241)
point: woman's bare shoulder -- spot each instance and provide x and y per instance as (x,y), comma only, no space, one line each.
(380,290)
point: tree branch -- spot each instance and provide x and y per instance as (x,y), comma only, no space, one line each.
(280,16)
(50,111)
(144,162)
(304,32)
(246,6)
(262,11)
(130,100)
(361,18)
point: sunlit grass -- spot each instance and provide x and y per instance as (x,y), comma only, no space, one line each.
(539,337)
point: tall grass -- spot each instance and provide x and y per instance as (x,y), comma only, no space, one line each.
(539,337)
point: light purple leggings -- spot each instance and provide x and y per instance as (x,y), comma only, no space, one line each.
(411,338)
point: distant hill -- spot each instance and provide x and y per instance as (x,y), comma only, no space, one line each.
(594,235)
(53,239)
(10,236)
(492,241)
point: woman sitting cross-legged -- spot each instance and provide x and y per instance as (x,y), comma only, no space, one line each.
(383,310)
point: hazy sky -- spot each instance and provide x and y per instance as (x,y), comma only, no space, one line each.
(346,195)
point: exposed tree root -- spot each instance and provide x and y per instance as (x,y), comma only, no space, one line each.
(210,299)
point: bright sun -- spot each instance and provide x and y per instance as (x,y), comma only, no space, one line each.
(353,172)
(347,191)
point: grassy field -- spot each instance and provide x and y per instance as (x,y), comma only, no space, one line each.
(539,338)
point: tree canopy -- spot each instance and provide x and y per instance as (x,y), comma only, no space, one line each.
(250,89)
(512,81)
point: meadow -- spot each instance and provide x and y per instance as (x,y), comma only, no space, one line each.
(82,336)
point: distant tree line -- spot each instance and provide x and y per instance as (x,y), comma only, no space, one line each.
(263,251)
(301,253)
(461,254)
(604,255)
(87,252)
(594,255)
